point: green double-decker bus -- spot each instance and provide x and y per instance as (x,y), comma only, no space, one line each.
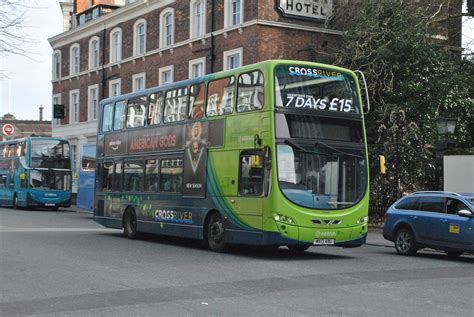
(271,154)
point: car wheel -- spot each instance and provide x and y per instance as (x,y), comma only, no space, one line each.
(130,224)
(405,243)
(216,233)
(453,254)
(298,248)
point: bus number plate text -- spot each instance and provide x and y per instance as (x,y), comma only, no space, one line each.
(324,241)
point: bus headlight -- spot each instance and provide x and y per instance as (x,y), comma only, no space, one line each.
(284,219)
(362,220)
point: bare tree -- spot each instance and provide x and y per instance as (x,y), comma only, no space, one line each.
(13,29)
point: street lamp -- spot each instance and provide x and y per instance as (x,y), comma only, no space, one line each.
(444,127)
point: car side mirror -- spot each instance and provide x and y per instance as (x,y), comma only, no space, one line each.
(465,213)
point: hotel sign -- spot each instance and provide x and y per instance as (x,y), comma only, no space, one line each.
(306,9)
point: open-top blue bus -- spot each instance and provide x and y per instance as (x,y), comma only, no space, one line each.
(35,172)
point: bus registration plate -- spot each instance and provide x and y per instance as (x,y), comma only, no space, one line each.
(49,204)
(324,241)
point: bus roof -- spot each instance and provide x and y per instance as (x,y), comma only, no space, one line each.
(31,138)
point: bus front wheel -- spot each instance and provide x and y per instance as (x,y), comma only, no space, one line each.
(215,234)
(130,224)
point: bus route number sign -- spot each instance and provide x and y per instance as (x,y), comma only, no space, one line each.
(8,129)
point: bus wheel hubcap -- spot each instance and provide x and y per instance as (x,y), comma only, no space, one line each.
(217,231)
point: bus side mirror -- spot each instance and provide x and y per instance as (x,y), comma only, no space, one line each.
(366,89)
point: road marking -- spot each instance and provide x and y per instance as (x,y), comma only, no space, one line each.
(4,229)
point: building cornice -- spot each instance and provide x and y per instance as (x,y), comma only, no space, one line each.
(107,21)
(189,42)
(138,9)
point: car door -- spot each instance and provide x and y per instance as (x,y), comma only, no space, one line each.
(454,230)
(430,216)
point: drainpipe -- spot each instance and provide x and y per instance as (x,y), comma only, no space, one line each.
(212,57)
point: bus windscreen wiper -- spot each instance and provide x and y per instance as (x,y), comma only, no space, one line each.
(337,150)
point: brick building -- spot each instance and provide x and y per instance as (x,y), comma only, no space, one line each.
(12,128)
(116,47)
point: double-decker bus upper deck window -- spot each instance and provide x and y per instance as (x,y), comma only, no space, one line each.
(136,112)
(196,101)
(151,175)
(250,92)
(107,117)
(133,176)
(155,108)
(119,115)
(220,96)
(175,104)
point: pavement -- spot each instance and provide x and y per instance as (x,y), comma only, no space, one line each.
(374,236)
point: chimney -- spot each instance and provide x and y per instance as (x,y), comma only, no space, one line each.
(41,113)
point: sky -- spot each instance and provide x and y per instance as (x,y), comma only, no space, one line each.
(27,84)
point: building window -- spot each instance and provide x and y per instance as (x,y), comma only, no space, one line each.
(56,101)
(74,155)
(94,53)
(115,45)
(114,87)
(197,67)
(75,59)
(56,65)
(198,18)
(138,81)
(93,101)
(166,75)
(139,37)
(233,59)
(233,12)
(167,27)
(74,106)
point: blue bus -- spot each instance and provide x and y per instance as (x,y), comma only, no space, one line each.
(35,172)
(86,178)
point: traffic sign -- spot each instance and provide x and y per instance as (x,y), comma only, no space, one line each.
(8,129)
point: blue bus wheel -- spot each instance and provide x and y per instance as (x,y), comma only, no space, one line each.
(130,224)
(216,233)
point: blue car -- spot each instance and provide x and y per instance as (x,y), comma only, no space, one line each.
(437,220)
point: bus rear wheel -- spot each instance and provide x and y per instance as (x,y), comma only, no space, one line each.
(130,224)
(215,235)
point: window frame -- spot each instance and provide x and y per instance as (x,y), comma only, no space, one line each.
(251,152)
(115,48)
(162,70)
(94,55)
(237,91)
(228,13)
(131,102)
(197,61)
(208,85)
(91,114)
(56,100)
(230,53)
(57,64)
(137,43)
(160,188)
(164,30)
(124,176)
(74,60)
(135,78)
(194,18)
(113,82)
(74,92)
